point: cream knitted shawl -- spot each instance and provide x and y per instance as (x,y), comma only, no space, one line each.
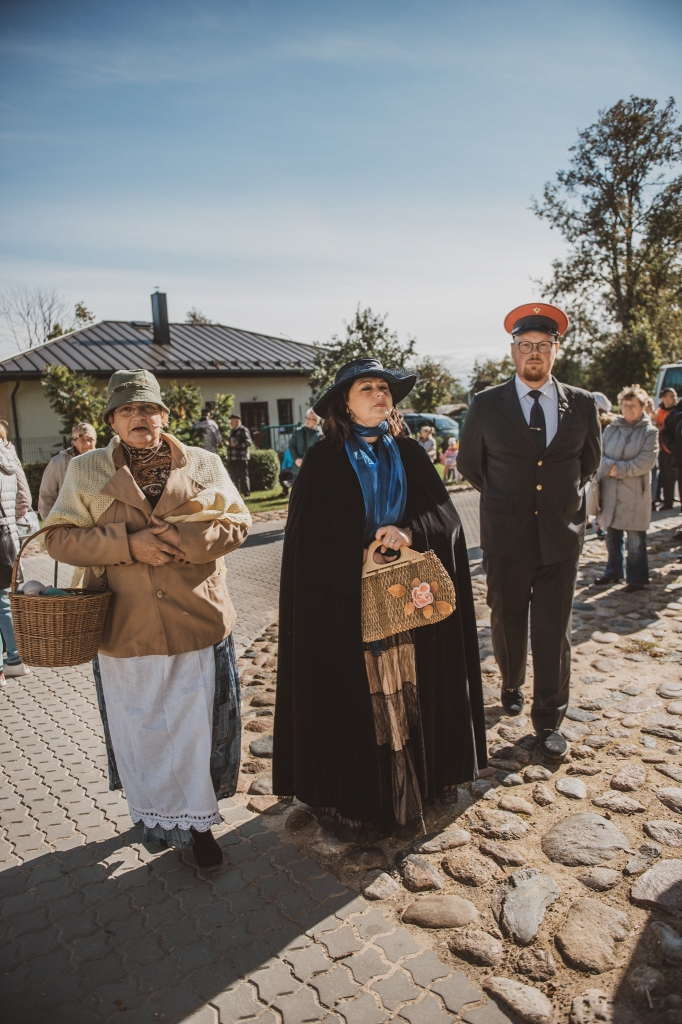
(81,502)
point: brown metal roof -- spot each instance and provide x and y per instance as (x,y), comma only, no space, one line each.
(195,350)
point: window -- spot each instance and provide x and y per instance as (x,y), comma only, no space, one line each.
(285,411)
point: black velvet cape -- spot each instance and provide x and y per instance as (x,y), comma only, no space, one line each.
(325,750)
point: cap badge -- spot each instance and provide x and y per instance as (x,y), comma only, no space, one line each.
(536,309)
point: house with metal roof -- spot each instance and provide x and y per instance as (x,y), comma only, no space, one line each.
(268,376)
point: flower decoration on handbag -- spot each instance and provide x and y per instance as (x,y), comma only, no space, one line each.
(422,598)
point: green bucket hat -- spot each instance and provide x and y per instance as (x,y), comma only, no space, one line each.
(133,386)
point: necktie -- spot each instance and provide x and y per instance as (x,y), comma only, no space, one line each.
(537,421)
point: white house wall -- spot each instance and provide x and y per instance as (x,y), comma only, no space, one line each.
(36,418)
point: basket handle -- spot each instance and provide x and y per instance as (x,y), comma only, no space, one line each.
(27,540)
(407,554)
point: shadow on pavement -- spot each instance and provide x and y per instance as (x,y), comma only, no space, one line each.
(110,928)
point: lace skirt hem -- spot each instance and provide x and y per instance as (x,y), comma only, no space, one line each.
(199,822)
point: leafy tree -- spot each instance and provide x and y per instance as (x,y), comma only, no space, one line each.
(631,356)
(184,401)
(222,407)
(619,208)
(366,335)
(82,315)
(489,372)
(76,398)
(195,316)
(436,386)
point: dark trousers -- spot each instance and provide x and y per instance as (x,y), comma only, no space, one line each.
(637,563)
(666,479)
(239,474)
(514,589)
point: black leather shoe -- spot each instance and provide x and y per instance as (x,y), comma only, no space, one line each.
(605,581)
(553,745)
(632,588)
(207,852)
(512,701)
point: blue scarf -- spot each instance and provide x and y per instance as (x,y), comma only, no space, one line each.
(381,475)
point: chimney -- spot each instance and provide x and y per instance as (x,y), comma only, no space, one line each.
(160,318)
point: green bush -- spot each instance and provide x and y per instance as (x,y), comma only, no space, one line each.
(34,474)
(263,469)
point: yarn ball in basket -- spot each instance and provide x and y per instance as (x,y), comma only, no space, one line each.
(32,588)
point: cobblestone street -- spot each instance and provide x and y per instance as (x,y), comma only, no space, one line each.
(96,926)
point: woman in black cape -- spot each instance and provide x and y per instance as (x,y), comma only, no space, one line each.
(371,731)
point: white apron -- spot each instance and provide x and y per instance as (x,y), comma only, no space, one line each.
(160,713)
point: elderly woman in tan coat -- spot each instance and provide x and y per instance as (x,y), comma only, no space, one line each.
(151,519)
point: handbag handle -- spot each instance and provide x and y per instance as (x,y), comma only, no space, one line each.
(407,554)
(27,540)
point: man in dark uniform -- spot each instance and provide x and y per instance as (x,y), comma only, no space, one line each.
(530,446)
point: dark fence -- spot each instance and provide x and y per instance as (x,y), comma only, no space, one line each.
(38,449)
(278,436)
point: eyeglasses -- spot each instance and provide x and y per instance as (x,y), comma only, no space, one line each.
(535,346)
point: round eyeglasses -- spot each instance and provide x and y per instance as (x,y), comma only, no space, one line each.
(535,346)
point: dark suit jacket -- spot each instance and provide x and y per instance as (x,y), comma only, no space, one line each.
(532,503)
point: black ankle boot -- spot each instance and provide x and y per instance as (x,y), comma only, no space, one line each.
(512,701)
(552,744)
(207,852)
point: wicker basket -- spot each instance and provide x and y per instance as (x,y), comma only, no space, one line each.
(53,632)
(414,591)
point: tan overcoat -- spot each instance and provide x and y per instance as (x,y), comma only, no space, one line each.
(168,609)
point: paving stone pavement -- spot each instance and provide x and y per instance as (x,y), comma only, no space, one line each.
(94,924)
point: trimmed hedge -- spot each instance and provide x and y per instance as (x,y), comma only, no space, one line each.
(263,469)
(34,474)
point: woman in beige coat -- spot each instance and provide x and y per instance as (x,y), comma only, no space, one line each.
(151,519)
(629,449)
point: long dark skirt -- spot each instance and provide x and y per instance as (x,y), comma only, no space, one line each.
(392,675)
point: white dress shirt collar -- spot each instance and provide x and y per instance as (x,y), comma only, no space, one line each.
(522,389)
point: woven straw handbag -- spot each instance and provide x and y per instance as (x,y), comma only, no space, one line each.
(53,632)
(414,591)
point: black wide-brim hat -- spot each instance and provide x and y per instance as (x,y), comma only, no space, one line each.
(400,383)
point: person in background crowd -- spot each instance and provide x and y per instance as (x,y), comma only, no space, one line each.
(592,495)
(15,502)
(302,440)
(449,461)
(83,439)
(399,720)
(665,478)
(286,475)
(530,446)
(427,442)
(630,445)
(208,431)
(238,455)
(154,518)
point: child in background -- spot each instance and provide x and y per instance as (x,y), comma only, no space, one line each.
(449,461)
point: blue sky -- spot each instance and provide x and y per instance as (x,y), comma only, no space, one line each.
(275,162)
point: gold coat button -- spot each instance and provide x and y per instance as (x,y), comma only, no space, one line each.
(160,593)
(540,462)
(536,511)
(539,487)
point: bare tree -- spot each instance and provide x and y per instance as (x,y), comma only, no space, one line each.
(33,315)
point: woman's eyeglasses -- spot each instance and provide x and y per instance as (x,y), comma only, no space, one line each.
(535,346)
